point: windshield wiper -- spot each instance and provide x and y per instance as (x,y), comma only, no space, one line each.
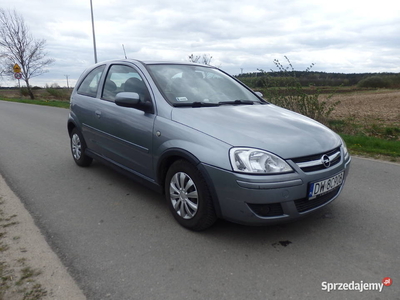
(195,104)
(212,104)
(236,102)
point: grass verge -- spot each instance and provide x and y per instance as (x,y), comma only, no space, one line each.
(373,147)
(55,103)
(369,137)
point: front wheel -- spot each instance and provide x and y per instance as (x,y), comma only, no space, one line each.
(188,196)
(78,147)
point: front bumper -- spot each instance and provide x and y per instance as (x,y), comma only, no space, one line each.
(270,199)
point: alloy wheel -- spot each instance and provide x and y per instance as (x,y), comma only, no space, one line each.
(184,196)
(76,146)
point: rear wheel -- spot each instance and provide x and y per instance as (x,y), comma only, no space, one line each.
(78,147)
(188,196)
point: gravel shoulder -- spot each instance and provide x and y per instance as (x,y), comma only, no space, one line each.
(28,266)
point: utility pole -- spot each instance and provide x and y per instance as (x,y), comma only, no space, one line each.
(94,36)
(67,81)
(123,47)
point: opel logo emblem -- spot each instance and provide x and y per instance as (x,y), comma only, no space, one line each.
(326,161)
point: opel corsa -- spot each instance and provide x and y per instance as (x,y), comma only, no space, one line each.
(215,148)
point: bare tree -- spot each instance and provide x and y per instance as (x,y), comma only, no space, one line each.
(205,59)
(17,46)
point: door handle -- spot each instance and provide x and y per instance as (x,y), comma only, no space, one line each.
(98,113)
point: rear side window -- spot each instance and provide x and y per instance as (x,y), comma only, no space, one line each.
(90,84)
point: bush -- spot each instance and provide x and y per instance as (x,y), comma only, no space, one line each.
(395,81)
(58,93)
(24,92)
(374,82)
(289,93)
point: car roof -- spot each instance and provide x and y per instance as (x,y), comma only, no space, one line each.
(151,62)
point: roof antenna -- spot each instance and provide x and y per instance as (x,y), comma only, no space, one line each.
(123,48)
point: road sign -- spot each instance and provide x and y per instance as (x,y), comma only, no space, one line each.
(17,68)
(17,75)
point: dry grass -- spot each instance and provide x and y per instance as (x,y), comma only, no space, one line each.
(380,106)
(40,94)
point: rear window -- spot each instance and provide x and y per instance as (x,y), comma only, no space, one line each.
(90,84)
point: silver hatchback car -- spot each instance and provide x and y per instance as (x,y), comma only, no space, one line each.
(215,148)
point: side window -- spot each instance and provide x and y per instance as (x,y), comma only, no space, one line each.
(121,78)
(90,84)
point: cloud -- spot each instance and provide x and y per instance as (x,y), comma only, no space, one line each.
(340,36)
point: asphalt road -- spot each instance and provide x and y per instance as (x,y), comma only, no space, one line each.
(119,241)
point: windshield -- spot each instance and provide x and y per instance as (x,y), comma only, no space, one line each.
(188,85)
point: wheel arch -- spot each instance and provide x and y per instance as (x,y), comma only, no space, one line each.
(169,157)
(172,155)
(71,125)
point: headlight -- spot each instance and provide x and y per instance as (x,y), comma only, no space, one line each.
(248,160)
(345,151)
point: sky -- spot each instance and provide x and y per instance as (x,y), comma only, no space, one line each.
(341,36)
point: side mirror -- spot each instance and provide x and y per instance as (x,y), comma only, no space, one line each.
(259,94)
(129,99)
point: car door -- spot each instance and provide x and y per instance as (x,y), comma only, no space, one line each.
(85,105)
(126,133)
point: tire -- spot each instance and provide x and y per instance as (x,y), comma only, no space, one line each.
(78,148)
(188,197)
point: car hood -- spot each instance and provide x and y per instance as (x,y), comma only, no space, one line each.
(267,127)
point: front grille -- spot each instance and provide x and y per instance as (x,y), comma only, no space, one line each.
(314,163)
(267,210)
(304,204)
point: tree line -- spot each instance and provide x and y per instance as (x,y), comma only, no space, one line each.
(314,78)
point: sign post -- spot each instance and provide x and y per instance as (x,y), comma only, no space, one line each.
(17,73)
(17,68)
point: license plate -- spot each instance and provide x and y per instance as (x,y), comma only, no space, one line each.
(325,186)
